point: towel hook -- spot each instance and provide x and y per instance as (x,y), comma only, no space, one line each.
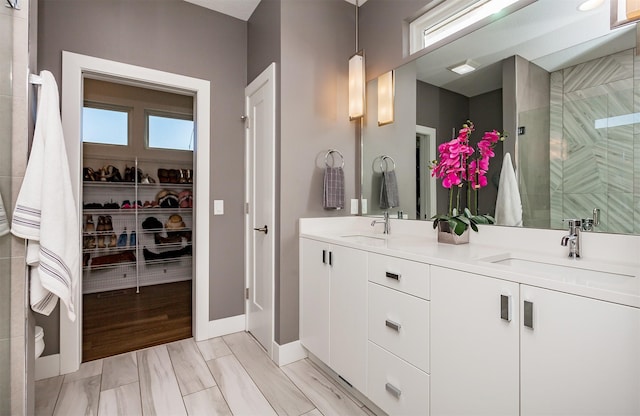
(384,159)
(330,153)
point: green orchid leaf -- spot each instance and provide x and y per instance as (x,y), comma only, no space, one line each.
(467,213)
(464,219)
(474,227)
(459,228)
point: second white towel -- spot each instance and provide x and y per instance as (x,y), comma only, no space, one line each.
(508,202)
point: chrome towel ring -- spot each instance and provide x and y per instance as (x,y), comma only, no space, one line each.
(384,163)
(331,153)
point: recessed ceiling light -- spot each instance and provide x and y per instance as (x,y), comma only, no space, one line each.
(465,67)
(589,5)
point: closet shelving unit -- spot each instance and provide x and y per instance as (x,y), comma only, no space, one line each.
(114,266)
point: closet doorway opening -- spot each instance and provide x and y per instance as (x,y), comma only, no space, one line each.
(137,194)
(162,240)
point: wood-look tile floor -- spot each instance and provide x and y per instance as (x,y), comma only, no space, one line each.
(230,375)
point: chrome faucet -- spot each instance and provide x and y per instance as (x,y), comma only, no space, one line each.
(387,224)
(573,238)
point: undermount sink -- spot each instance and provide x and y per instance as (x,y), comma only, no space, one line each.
(561,269)
(366,240)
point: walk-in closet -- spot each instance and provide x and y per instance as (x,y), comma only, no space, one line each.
(137,199)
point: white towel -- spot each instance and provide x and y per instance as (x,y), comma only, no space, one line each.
(508,203)
(4,222)
(46,212)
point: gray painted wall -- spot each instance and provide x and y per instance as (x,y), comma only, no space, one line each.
(384,29)
(178,37)
(312,42)
(485,110)
(397,140)
(263,34)
(318,38)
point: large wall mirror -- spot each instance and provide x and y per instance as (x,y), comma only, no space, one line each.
(558,81)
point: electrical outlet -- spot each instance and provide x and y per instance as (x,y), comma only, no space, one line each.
(354,207)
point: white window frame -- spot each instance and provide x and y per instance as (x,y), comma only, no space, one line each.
(165,114)
(110,107)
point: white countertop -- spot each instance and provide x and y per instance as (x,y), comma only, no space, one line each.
(611,276)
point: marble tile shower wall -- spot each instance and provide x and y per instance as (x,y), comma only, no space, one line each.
(6,105)
(595,163)
(15,391)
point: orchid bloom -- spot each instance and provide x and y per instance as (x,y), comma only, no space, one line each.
(454,166)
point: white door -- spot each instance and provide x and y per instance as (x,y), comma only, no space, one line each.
(474,345)
(260,197)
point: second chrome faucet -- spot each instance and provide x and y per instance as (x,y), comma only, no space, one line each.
(387,224)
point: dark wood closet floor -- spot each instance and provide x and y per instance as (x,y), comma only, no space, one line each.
(123,320)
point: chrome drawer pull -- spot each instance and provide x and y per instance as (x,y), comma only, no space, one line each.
(395,392)
(395,276)
(393,325)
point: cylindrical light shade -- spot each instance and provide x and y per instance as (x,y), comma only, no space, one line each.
(386,92)
(356,86)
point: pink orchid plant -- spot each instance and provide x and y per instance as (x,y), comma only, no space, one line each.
(461,165)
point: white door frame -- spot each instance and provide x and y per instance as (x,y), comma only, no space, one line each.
(428,140)
(74,68)
(267,76)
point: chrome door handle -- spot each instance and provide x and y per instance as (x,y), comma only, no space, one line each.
(528,314)
(264,229)
(505,307)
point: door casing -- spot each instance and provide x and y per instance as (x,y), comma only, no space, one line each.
(75,68)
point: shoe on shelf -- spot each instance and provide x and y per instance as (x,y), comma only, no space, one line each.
(89,242)
(132,239)
(122,240)
(89,226)
(125,204)
(100,229)
(113,240)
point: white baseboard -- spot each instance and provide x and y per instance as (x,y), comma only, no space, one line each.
(224,326)
(48,366)
(288,353)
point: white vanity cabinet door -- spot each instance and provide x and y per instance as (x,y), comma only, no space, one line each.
(474,352)
(348,312)
(315,284)
(582,356)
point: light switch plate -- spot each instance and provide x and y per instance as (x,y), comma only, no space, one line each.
(218,207)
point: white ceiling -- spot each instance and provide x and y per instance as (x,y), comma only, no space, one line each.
(240,9)
(553,34)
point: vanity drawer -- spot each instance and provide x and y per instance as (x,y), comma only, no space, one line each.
(400,274)
(395,386)
(400,323)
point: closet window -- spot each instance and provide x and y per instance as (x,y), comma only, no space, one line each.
(105,124)
(170,131)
